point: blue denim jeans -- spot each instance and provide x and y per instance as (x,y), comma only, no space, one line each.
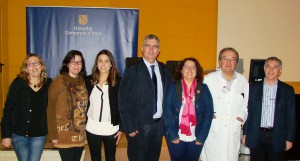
(28,149)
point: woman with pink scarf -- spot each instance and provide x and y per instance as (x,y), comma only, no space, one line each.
(188,112)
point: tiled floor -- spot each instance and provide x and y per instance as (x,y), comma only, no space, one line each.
(244,158)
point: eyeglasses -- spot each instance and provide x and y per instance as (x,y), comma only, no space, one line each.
(31,64)
(151,46)
(186,67)
(75,63)
(230,59)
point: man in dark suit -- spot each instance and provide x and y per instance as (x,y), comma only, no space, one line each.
(271,125)
(141,95)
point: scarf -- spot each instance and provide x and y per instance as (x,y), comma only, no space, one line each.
(188,114)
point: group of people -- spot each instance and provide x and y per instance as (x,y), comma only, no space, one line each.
(199,115)
(70,109)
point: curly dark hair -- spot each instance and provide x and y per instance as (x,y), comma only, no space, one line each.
(70,56)
(199,73)
(113,72)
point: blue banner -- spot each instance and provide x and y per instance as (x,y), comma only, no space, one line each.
(53,31)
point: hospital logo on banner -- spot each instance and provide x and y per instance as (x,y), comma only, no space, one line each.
(83,19)
(83,29)
(87,29)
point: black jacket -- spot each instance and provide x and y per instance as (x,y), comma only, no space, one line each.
(17,110)
(284,127)
(136,97)
(113,99)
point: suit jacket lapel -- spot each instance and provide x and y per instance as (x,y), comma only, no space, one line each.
(259,97)
(278,93)
(179,89)
(144,69)
(162,75)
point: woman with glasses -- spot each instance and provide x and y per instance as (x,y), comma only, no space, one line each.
(188,112)
(24,121)
(103,124)
(67,105)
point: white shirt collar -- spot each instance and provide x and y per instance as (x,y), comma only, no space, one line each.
(149,64)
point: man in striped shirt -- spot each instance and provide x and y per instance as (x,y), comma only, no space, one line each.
(271,125)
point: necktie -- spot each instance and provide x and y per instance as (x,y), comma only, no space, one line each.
(154,81)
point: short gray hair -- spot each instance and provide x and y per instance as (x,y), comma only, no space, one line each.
(151,36)
(273,58)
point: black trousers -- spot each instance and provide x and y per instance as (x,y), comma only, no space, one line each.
(184,151)
(70,154)
(264,149)
(146,145)
(95,145)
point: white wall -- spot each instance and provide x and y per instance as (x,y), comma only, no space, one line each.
(262,28)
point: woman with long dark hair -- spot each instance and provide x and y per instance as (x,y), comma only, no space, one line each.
(103,124)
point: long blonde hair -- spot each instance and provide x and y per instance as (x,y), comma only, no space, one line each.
(24,74)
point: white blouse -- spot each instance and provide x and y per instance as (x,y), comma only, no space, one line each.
(99,117)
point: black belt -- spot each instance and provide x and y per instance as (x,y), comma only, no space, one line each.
(156,119)
(269,129)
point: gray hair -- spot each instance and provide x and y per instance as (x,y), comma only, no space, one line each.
(151,36)
(273,58)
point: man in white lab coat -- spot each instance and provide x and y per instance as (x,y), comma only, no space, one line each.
(229,90)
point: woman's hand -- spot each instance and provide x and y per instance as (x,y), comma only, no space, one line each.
(198,143)
(6,142)
(118,135)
